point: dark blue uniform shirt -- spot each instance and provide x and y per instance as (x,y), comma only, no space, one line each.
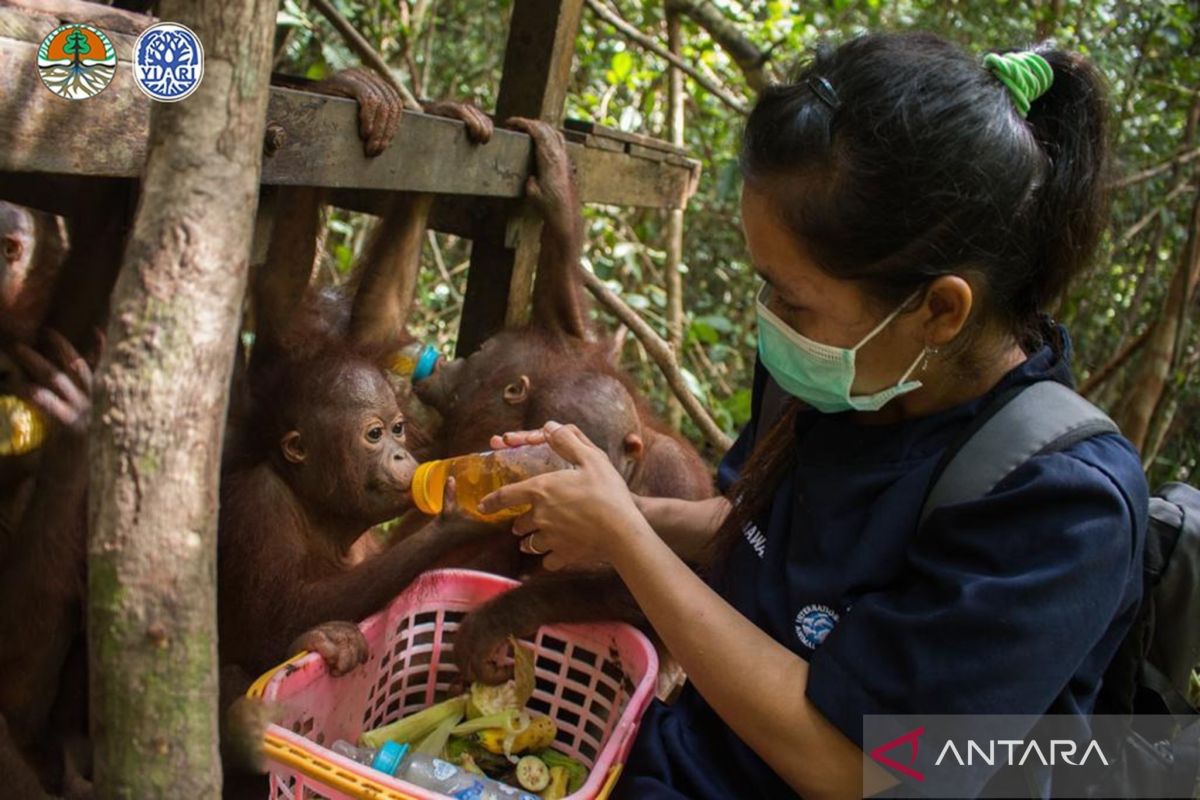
(1013,603)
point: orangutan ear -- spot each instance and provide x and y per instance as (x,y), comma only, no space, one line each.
(292,449)
(517,392)
(13,247)
(635,448)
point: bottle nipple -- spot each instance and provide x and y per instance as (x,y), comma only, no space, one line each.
(429,486)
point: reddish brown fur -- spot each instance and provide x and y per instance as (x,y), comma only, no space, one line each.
(554,369)
(43,494)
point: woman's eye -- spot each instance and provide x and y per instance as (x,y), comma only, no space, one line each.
(375,434)
(398,429)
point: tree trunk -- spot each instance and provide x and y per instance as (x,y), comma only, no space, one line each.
(675,222)
(161,396)
(1161,348)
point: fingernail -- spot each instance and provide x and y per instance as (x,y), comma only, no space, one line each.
(552,426)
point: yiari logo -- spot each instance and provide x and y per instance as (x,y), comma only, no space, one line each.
(168,62)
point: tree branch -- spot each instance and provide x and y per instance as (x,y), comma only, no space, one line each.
(644,41)
(1136,228)
(1097,378)
(1179,158)
(750,59)
(663,356)
(365,51)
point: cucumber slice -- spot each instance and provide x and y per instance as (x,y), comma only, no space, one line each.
(533,774)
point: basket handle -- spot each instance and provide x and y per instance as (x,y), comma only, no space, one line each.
(318,769)
(260,685)
(614,772)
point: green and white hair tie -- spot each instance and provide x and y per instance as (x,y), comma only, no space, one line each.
(1026,74)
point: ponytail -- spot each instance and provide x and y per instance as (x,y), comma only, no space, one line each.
(1070,123)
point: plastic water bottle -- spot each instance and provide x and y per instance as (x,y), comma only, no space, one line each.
(415,361)
(430,773)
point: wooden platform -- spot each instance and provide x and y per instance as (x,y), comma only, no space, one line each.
(106,136)
(52,148)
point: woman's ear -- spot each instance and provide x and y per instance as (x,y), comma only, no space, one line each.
(948,301)
(292,449)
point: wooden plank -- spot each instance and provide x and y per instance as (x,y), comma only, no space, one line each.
(622,180)
(602,132)
(106,136)
(537,66)
(106,18)
(33,28)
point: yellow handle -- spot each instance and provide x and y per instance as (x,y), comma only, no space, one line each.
(319,769)
(259,686)
(614,772)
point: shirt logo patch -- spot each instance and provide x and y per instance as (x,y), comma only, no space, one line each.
(756,538)
(813,624)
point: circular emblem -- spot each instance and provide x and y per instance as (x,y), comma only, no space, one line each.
(813,624)
(168,62)
(76,61)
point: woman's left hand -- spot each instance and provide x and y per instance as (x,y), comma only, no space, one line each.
(579,516)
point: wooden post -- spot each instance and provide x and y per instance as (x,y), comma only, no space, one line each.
(159,413)
(537,65)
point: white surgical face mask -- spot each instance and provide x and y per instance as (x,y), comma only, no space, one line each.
(821,374)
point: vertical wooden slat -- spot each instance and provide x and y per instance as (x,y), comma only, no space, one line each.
(537,66)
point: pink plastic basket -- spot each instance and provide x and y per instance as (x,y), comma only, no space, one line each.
(594,680)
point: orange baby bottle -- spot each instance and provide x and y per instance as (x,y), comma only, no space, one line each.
(479,474)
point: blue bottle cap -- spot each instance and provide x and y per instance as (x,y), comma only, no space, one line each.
(426,362)
(388,759)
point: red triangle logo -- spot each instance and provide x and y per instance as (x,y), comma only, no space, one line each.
(910,739)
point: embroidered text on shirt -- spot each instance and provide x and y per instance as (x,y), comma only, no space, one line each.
(756,538)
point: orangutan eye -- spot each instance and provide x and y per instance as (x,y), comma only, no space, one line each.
(398,429)
(375,434)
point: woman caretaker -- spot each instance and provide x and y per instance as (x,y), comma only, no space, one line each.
(911,210)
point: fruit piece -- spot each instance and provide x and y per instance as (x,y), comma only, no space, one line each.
(557,787)
(467,764)
(577,773)
(435,741)
(415,727)
(514,693)
(538,734)
(510,721)
(533,774)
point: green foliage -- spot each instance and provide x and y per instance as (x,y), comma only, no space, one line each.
(454,49)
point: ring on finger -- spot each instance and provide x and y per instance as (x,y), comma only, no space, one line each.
(531,548)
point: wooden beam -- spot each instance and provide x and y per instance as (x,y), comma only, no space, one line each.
(105,136)
(537,65)
(106,18)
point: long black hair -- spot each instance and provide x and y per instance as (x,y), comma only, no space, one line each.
(918,165)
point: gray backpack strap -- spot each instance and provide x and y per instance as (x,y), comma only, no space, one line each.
(1038,418)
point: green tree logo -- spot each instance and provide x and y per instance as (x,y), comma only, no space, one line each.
(77,44)
(67,74)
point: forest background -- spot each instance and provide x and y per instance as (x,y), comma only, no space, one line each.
(1131,316)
